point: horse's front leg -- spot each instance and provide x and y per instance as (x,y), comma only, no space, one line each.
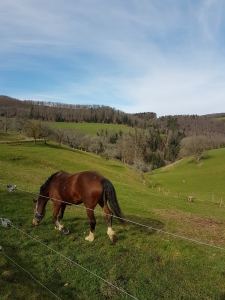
(57,217)
(90,214)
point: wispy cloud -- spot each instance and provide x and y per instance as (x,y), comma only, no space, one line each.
(210,17)
(162,56)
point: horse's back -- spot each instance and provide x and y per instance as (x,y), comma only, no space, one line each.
(77,188)
(88,182)
(89,177)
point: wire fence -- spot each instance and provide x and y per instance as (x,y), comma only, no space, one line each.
(7,223)
(65,257)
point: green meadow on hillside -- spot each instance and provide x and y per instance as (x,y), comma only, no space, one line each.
(147,261)
(88,128)
(204,180)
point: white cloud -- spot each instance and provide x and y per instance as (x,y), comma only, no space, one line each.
(210,16)
(162,56)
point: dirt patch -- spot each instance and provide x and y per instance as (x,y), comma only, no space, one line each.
(193,226)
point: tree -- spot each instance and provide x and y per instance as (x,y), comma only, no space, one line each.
(97,144)
(113,150)
(59,135)
(32,129)
(142,167)
(172,146)
(196,146)
(46,132)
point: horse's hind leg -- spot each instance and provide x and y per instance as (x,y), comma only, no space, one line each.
(90,214)
(109,215)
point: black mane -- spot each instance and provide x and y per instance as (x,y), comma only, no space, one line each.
(47,182)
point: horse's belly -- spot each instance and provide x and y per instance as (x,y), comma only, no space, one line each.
(77,202)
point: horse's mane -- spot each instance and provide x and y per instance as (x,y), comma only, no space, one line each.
(47,182)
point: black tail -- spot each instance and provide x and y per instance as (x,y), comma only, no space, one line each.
(109,194)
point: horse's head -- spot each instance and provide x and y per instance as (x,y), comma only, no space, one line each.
(39,212)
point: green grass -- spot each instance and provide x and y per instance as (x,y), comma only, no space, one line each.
(89,128)
(203,180)
(219,119)
(5,137)
(147,264)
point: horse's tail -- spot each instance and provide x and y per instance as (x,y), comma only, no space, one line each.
(109,194)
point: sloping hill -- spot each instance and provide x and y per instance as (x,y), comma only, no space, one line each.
(205,180)
(155,256)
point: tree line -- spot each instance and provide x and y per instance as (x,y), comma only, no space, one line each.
(60,112)
(151,142)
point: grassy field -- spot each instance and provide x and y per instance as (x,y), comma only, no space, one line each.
(203,180)
(89,128)
(5,137)
(147,263)
(219,119)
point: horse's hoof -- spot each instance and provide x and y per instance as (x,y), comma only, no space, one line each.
(65,230)
(113,239)
(89,238)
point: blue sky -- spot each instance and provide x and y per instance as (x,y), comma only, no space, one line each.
(162,56)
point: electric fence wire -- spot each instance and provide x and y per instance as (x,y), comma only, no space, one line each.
(2,252)
(70,260)
(126,220)
(11,188)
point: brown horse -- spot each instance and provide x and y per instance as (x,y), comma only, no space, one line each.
(88,187)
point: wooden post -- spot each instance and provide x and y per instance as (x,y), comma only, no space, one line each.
(191,198)
(221,202)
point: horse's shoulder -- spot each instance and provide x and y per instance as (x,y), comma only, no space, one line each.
(63,174)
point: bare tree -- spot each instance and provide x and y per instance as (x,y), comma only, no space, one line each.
(113,150)
(97,144)
(142,167)
(59,135)
(30,128)
(196,146)
(46,132)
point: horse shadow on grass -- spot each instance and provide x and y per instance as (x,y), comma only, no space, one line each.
(78,226)
(139,225)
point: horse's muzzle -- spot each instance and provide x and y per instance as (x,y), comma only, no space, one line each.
(35,222)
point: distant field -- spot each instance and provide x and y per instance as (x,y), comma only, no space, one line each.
(89,128)
(5,137)
(204,180)
(219,119)
(146,262)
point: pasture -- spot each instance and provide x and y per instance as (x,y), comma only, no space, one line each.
(89,128)
(154,257)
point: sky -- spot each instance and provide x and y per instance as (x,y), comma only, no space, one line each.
(162,56)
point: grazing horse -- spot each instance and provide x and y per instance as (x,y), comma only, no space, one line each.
(89,188)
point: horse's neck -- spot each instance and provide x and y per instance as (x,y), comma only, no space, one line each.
(43,199)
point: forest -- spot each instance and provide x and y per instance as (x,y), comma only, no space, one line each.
(150,143)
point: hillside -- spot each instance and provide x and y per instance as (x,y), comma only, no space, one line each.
(141,140)
(203,180)
(144,261)
(60,112)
